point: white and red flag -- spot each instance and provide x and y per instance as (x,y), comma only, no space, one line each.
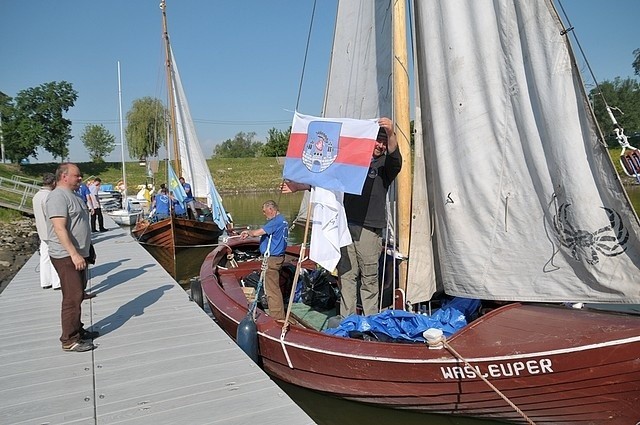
(332,153)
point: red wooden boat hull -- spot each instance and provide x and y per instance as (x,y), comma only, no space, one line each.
(558,365)
(166,235)
(177,232)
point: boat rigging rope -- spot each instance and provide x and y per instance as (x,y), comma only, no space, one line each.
(553,204)
(306,52)
(263,271)
(301,259)
(617,128)
(442,341)
(302,72)
(186,246)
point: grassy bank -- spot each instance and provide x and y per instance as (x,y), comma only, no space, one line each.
(229,174)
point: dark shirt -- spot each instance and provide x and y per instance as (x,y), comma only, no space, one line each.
(369,209)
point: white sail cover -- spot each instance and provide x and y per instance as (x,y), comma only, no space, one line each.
(194,167)
(527,203)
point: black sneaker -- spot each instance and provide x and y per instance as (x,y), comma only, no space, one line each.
(79,346)
(85,334)
(104,230)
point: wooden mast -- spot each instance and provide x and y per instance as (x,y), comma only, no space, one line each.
(173,131)
(402,124)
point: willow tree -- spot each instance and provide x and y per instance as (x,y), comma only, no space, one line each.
(146,131)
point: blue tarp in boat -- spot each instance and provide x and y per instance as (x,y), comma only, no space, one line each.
(403,326)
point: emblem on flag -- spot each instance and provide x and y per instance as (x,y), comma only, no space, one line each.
(321,148)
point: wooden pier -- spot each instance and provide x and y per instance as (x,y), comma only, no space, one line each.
(160,358)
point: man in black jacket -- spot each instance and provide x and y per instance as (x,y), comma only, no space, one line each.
(366,216)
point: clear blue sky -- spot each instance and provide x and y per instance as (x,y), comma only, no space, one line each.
(240,61)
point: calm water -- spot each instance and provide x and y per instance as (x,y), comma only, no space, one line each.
(247,211)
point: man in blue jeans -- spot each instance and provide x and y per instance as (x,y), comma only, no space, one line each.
(274,236)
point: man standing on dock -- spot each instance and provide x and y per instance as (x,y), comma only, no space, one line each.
(70,248)
(93,201)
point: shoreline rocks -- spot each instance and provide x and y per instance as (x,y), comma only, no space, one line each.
(18,242)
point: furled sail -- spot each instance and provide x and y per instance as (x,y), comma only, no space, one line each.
(194,166)
(526,201)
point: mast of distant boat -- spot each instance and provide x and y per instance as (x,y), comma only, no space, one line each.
(124,174)
(170,91)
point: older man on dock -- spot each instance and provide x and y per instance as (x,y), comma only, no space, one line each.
(70,250)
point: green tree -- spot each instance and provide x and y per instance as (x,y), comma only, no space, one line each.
(98,141)
(37,121)
(146,129)
(241,146)
(277,143)
(636,61)
(623,94)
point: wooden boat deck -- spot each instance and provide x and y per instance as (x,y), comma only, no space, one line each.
(160,358)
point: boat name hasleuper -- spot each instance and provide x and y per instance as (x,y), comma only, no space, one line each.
(498,370)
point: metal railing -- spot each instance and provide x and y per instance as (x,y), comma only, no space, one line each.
(16,194)
(28,180)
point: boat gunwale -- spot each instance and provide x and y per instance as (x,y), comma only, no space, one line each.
(352,348)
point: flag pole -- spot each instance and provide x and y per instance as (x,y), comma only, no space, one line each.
(301,258)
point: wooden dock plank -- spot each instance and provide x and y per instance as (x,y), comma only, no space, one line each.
(160,358)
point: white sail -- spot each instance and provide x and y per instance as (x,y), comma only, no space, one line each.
(359,83)
(527,203)
(192,161)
